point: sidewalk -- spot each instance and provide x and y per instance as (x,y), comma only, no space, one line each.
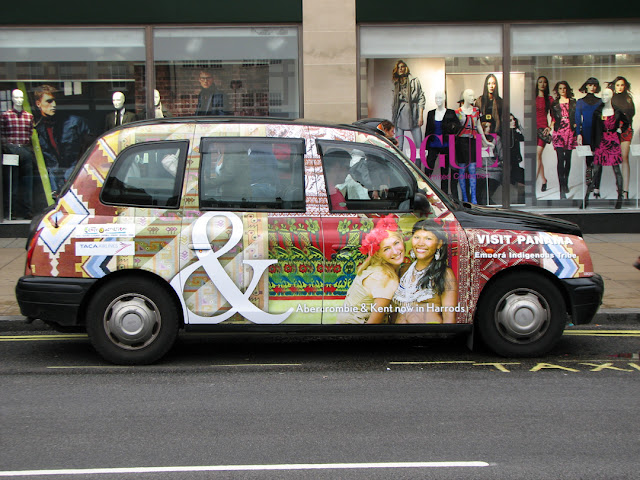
(613,255)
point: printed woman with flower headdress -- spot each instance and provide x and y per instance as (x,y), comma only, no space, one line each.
(428,290)
(368,299)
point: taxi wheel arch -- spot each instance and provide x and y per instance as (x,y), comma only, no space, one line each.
(521,313)
(133,319)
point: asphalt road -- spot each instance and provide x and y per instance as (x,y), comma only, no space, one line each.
(297,407)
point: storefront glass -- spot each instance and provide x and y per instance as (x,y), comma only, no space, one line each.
(62,81)
(551,165)
(576,155)
(431,81)
(70,82)
(239,71)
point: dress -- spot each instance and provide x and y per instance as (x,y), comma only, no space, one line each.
(491,111)
(605,145)
(542,120)
(624,102)
(541,112)
(357,303)
(584,115)
(564,136)
(608,151)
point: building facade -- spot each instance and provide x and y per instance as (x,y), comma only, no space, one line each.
(538,78)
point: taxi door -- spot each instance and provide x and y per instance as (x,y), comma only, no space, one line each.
(244,203)
(375,202)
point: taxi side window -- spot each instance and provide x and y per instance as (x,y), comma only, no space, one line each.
(147,175)
(252,174)
(364,179)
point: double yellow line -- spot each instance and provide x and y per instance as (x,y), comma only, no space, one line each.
(603,333)
(82,336)
(42,338)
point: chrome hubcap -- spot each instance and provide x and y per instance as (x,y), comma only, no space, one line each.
(132,321)
(522,316)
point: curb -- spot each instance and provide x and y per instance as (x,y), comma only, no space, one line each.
(615,316)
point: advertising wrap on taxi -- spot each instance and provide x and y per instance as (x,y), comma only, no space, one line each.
(318,266)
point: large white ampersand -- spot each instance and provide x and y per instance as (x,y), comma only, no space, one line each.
(208,259)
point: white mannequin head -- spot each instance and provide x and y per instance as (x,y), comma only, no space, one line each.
(439,98)
(468,96)
(18,98)
(118,100)
(607,95)
(156,98)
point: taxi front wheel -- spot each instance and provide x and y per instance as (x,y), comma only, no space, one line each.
(132,321)
(521,314)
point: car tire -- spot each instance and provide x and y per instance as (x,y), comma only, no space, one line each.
(521,314)
(132,321)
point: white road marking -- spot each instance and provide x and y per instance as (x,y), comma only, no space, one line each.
(237,468)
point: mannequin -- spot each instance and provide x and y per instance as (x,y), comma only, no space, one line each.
(584,116)
(160,112)
(407,109)
(490,103)
(490,177)
(119,116)
(63,138)
(515,157)
(623,100)
(608,122)
(441,122)
(543,129)
(16,128)
(563,114)
(469,118)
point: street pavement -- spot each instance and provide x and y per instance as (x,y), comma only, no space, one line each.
(613,255)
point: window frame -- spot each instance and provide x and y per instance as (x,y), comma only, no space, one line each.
(270,141)
(182,145)
(323,145)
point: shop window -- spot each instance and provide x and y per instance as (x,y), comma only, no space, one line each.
(441,88)
(565,69)
(68,77)
(252,174)
(229,71)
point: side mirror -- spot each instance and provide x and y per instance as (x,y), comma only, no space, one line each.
(421,204)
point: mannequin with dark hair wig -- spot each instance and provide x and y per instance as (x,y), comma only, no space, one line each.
(490,103)
(623,100)
(543,109)
(563,113)
(584,117)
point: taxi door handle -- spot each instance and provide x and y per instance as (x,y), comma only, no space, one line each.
(199,246)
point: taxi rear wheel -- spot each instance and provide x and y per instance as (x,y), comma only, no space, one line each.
(132,321)
(521,314)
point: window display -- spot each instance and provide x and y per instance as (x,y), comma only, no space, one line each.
(581,61)
(556,79)
(77,83)
(238,71)
(72,81)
